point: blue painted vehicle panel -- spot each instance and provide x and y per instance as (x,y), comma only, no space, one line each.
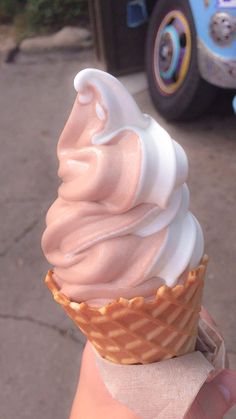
(215,27)
(202,16)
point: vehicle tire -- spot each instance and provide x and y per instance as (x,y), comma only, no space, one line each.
(176,87)
(223,103)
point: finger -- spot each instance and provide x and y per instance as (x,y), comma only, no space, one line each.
(227,382)
(92,399)
(215,398)
(209,403)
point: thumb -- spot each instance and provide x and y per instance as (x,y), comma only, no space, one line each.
(226,381)
(215,397)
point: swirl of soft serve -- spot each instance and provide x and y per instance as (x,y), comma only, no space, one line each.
(121,225)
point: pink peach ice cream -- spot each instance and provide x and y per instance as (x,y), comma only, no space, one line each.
(120,226)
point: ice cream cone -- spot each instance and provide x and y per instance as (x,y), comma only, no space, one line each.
(138,331)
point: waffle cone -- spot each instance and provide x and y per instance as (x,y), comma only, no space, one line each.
(138,331)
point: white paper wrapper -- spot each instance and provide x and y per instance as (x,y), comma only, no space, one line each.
(170,386)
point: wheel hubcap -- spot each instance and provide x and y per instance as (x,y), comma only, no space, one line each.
(169,53)
(172,52)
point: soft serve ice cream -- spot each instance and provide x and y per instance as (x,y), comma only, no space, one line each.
(121,225)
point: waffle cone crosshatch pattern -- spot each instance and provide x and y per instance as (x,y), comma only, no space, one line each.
(136,331)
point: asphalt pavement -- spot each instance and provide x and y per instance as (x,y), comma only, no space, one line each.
(40,348)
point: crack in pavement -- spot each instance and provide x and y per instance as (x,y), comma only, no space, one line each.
(21,236)
(26,230)
(61,331)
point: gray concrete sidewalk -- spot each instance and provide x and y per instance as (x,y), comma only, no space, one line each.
(40,349)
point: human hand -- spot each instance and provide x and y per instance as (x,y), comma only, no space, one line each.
(93,400)
(215,397)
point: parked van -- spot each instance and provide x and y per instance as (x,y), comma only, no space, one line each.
(190,54)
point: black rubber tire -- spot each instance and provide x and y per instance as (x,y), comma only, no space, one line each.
(194,95)
(223,103)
